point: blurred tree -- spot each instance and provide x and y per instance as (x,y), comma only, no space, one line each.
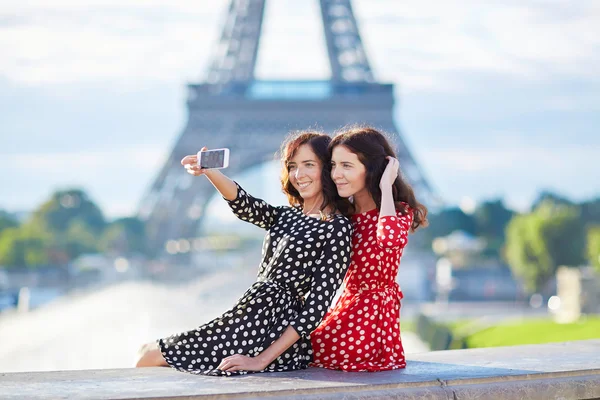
(62,228)
(124,236)
(491,218)
(551,197)
(65,207)
(593,247)
(590,212)
(538,243)
(449,220)
(79,239)
(20,247)
(443,223)
(7,221)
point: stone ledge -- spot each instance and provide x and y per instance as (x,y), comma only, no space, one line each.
(552,371)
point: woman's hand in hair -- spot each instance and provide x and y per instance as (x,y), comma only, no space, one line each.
(390,174)
(191,164)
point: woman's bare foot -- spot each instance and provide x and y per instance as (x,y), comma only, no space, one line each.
(149,355)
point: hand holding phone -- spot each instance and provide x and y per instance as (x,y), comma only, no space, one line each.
(213,159)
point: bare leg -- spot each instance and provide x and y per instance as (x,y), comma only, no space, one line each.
(150,356)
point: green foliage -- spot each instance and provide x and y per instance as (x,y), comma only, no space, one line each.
(546,196)
(438,335)
(62,228)
(491,218)
(79,239)
(539,242)
(7,221)
(442,336)
(534,332)
(447,221)
(489,221)
(593,247)
(124,236)
(65,207)
(21,247)
(590,212)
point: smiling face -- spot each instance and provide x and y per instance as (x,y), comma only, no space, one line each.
(304,170)
(347,172)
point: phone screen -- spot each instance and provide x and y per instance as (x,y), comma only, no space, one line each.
(212,159)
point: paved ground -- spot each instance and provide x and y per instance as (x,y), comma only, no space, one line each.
(105,328)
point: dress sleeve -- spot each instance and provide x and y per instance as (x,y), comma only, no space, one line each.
(392,231)
(253,210)
(328,274)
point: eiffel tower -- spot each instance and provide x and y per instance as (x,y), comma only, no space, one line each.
(251,117)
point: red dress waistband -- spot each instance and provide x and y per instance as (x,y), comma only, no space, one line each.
(369,287)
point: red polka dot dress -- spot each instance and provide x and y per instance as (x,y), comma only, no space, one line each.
(362,331)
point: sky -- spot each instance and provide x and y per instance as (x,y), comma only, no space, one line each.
(495,99)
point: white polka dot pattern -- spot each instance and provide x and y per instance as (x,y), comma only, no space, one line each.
(303,264)
(362,331)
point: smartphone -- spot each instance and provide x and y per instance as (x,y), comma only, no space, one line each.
(213,159)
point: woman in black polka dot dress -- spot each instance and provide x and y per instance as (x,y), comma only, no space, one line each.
(304,258)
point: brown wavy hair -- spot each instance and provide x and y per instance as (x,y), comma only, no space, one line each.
(318,143)
(372,147)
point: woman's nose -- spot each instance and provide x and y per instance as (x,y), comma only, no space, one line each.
(299,173)
(335,173)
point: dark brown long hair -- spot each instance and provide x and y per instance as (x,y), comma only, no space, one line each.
(318,143)
(372,147)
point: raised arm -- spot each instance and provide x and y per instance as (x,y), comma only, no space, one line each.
(223,184)
(388,178)
(253,210)
(243,205)
(392,226)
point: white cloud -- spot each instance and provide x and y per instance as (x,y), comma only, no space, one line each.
(570,102)
(528,40)
(198,6)
(415,42)
(137,158)
(116,179)
(67,43)
(514,172)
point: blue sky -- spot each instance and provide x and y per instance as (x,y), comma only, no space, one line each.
(494,99)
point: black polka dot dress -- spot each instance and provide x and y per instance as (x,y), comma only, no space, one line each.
(304,261)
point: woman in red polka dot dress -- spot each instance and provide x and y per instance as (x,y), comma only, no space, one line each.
(362,331)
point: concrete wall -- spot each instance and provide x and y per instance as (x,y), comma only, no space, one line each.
(552,371)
